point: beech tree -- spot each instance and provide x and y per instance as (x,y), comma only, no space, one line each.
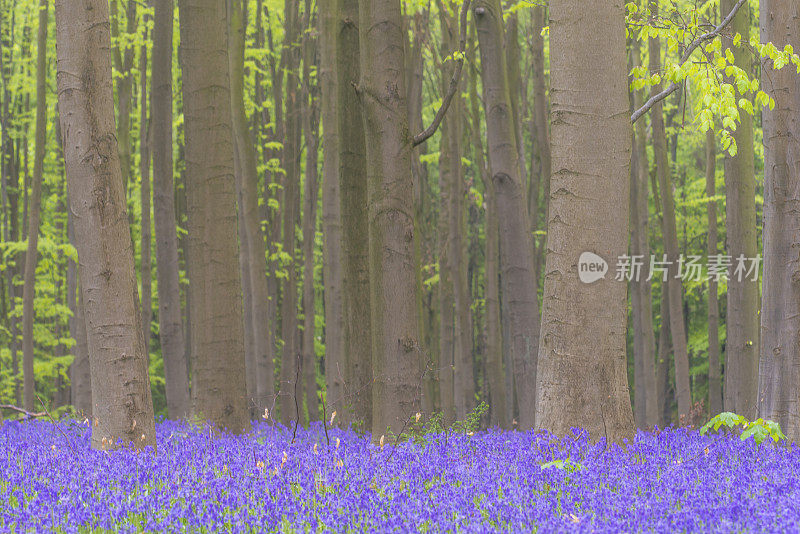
(392,270)
(779,369)
(741,347)
(582,377)
(517,273)
(34,213)
(171,331)
(218,372)
(353,196)
(122,408)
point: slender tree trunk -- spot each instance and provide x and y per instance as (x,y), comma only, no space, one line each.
(779,370)
(495,373)
(464,381)
(311,129)
(123,408)
(124,63)
(714,381)
(516,87)
(663,365)
(355,222)
(582,365)
(290,359)
(414,46)
(741,346)
(519,285)
(541,133)
(396,349)
(673,284)
(79,376)
(447,309)
(256,299)
(218,372)
(171,334)
(646,391)
(9,216)
(144,171)
(34,213)
(331,212)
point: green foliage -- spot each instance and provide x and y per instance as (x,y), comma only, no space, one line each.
(759,429)
(723,88)
(420,430)
(567,465)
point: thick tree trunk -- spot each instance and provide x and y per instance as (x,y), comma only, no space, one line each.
(171,335)
(355,222)
(519,285)
(396,349)
(741,346)
(674,285)
(644,334)
(779,370)
(331,213)
(215,298)
(123,408)
(714,381)
(582,365)
(34,213)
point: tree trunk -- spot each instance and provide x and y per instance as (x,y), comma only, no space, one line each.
(79,376)
(582,364)
(779,370)
(259,365)
(290,364)
(355,222)
(714,382)
(519,284)
(123,408)
(171,335)
(123,63)
(215,298)
(495,373)
(34,213)
(540,172)
(447,309)
(644,334)
(464,381)
(144,171)
(331,213)
(311,129)
(674,286)
(741,346)
(396,349)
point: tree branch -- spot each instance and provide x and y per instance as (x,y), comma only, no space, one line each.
(692,47)
(425,134)
(20,410)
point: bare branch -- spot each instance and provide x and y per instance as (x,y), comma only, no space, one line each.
(425,134)
(692,47)
(20,410)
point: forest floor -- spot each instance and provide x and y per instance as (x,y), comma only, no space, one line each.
(674,480)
